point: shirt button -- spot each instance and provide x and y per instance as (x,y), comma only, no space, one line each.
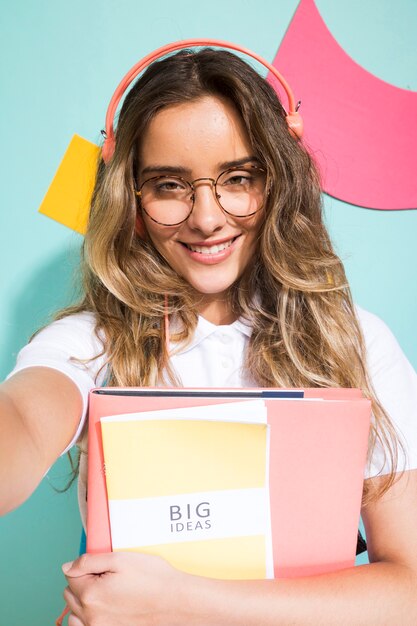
(225,363)
(225,338)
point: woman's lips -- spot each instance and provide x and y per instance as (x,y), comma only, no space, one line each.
(212,254)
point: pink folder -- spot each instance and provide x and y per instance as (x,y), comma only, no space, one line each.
(317,458)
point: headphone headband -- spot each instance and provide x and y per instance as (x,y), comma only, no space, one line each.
(293,118)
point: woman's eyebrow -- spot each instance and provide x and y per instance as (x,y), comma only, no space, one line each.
(238,162)
(168,169)
(178,169)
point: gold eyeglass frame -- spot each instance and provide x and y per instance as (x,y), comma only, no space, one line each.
(213,182)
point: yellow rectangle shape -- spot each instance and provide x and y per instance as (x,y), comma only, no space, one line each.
(154,458)
(68,198)
(232,558)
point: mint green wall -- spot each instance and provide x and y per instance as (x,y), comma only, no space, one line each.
(64,60)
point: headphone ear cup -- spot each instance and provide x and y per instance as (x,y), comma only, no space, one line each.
(295,124)
(140,227)
(107,149)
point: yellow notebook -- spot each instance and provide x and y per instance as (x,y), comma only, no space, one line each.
(191,488)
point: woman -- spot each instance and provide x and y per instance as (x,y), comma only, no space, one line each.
(207,224)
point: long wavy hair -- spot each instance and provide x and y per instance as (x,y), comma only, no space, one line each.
(294,293)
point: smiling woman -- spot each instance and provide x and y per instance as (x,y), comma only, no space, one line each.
(207,246)
(206,237)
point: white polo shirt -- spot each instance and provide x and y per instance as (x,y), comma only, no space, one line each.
(215,358)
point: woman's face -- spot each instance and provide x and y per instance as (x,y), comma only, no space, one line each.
(201,139)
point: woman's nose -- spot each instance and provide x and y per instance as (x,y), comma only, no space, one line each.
(207,215)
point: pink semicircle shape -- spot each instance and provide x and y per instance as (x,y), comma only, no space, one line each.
(361,130)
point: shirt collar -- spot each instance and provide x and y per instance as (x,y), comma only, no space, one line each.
(205,328)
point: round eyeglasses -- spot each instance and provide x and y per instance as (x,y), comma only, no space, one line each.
(169,200)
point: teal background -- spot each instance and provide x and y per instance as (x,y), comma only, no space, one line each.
(60,62)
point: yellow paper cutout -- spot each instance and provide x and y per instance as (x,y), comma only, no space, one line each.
(68,198)
(152,458)
(241,557)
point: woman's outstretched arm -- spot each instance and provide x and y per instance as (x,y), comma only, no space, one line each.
(40,409)
(138,589)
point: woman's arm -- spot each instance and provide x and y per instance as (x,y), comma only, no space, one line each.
(40,409)
(384,592)
(146,590)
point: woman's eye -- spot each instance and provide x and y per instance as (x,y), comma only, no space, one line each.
(169,185)
(238,179)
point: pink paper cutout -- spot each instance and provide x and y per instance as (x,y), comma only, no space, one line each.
(361,130)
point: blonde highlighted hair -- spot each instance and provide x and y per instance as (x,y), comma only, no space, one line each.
(294,293)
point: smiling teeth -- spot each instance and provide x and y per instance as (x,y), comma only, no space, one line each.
(211,249)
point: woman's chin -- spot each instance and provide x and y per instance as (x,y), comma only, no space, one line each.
(211,291)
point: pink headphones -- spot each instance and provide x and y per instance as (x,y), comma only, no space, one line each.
(294,120)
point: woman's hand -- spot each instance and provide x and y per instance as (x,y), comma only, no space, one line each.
(126,589)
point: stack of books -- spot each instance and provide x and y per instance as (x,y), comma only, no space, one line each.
(228,483)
